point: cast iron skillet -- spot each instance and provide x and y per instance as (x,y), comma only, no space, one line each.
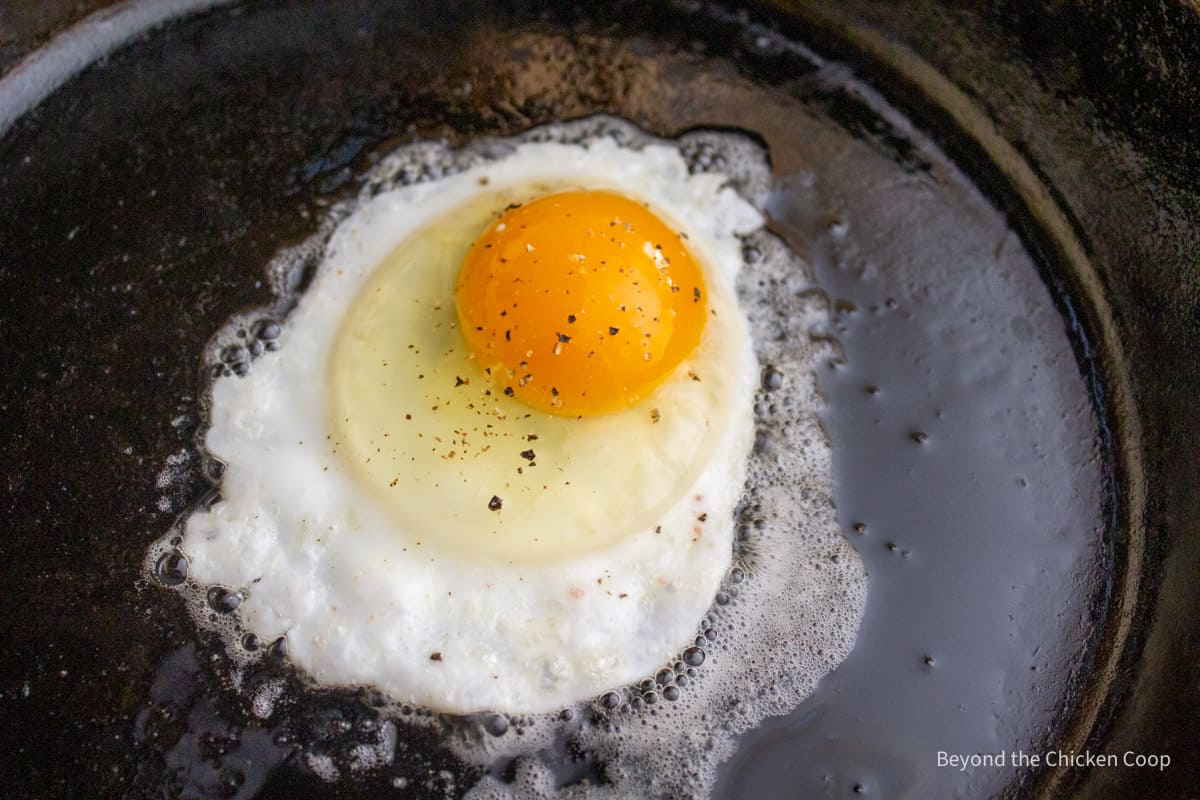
(1081,126)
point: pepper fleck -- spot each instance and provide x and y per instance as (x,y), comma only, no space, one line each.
(495,503)
(435,656)
(528,455)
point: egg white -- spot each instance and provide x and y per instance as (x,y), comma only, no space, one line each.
(321,558)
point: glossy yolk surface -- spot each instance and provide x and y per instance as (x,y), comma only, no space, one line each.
(580,303)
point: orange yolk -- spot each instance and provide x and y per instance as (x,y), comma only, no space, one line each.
(580,303)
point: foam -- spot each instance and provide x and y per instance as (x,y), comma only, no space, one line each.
(790,606)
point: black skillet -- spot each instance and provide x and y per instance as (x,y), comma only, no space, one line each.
(138,203)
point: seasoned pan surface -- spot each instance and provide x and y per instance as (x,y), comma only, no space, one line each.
(979,465)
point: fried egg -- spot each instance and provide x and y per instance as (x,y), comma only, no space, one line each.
(494,460)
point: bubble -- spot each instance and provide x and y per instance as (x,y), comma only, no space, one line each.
(234,353)
(172,568)
(266,329)
(772,379)
(693,656)
(277,650)
(497,725)
(223,601)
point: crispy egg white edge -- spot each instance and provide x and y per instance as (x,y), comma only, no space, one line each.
(314,555)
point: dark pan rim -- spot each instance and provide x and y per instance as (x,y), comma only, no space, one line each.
(42,72)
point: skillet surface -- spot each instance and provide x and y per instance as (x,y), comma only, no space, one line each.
(140,204)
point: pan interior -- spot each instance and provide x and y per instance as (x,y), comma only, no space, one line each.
(140,204)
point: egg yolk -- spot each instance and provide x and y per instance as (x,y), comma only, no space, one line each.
(580,303)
